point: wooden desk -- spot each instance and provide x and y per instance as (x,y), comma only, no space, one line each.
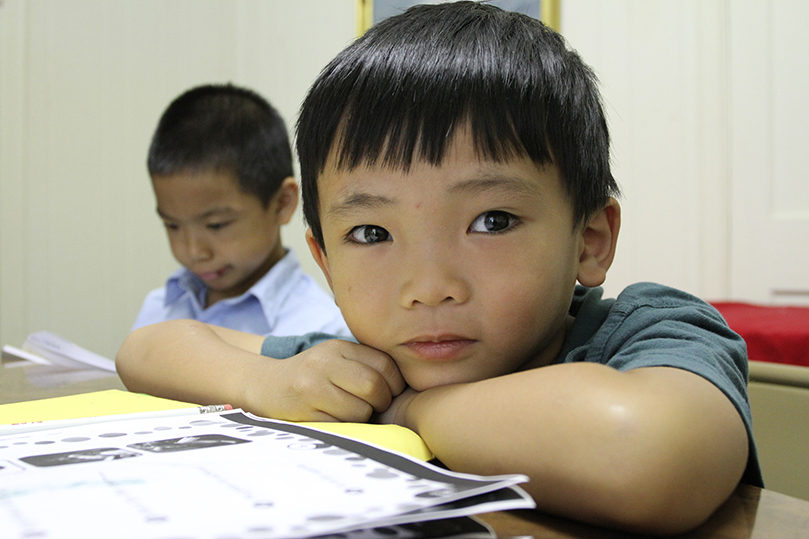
(15,387)
(751,513)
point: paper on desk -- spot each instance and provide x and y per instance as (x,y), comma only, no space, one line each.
(227,474)
(17,357)
(51,360)
(61,351)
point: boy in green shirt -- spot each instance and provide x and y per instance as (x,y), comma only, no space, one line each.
(456,181)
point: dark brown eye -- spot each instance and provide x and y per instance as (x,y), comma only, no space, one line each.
(368,234)
(492,222)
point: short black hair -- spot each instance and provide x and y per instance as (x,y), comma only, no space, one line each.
(402,90)
(224,127)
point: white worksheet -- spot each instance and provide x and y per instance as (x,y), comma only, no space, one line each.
(221,475)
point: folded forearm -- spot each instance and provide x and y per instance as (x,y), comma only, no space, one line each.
(184,360)
(642,451)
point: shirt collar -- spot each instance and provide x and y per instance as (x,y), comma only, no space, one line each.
(270,291)
(183,282)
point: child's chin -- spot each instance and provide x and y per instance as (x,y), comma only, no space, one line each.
(424,381)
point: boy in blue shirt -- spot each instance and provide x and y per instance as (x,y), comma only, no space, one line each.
(456,181)
(221,169)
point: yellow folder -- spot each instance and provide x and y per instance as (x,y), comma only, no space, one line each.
(116,401)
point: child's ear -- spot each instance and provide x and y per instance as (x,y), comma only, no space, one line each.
(286,200)
(599,237)
(319,255)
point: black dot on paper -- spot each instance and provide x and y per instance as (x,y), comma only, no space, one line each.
(260,530)
(325,518)
(382,473)
(260,433)
(337,452)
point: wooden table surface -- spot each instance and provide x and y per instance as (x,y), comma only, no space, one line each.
(750,513)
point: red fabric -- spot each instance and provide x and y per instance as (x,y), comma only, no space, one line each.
(774,334)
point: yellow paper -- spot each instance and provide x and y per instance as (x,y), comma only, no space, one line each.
(110,402)
(116,401)
(389,436)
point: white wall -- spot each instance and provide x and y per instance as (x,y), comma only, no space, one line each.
(707,107)
(662,69)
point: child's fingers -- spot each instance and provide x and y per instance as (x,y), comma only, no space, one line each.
(337,398)
(313,396)
(341,405)
(380,362)
(335,380)
(364,383)
(343,387)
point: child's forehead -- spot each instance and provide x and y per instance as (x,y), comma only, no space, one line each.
(198,186)
(461,172)
(224,176)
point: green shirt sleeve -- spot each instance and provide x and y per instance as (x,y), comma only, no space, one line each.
(286,347)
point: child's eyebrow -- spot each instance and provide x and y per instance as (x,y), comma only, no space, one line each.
(356,201)
(487,184)
(164,215)
(213,212)
(511,186)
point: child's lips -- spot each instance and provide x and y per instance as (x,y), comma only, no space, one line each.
(444,348)
(211,276)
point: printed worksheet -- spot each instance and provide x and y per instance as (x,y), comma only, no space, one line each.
(228,474)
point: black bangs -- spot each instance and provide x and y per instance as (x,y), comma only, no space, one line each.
(400,93)
(407,99)
(403,90)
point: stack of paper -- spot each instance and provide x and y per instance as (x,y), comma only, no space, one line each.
(52,360)
(230,474)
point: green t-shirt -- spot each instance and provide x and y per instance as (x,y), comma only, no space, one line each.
(651,325)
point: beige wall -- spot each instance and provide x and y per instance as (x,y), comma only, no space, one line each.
(82,83)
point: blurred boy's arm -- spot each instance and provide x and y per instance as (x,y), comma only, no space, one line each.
(654,450)
(195,362)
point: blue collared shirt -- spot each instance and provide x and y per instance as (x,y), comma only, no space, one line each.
(285,301)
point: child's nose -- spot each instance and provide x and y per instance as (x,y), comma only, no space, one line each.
(433,279)
(197,247)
